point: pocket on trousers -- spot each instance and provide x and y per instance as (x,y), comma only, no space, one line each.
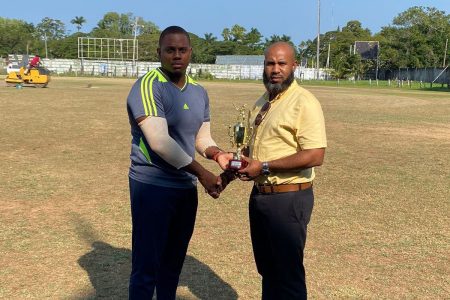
(303,204)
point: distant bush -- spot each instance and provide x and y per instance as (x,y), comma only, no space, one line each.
(205,75)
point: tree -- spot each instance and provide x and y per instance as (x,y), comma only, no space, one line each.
(339,43)
(226,34)
(341,67)
(421,33)
(237,33)
(114,25)
(78,21)
(209,38)
(16,36)
(306,50)
(253,38)
(204,49)
(66,47)
(355,28)
(148,43)
(147,27)
(51,29)
(277,38)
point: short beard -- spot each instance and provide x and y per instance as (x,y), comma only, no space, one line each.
(275,89)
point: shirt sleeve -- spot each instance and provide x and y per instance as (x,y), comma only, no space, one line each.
(206,114)
(145,97)
(311,125)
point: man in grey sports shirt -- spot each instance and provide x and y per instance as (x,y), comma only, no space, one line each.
(169,118)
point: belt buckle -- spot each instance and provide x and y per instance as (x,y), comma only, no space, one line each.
(265,188)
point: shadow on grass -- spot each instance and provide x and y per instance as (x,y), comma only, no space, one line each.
(109,269)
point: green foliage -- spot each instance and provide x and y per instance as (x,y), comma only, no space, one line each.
(114,25)
(51,29)
(416,38)
(203,51)
(204,75)
(65,48)
(15,36)
(78,21)
(355,29)
(148,43)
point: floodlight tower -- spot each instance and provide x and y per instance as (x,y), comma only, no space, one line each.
(318,38)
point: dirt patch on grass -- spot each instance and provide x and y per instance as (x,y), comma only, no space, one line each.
(439,132)
(379,227)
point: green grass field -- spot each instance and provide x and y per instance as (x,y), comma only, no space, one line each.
(380,227)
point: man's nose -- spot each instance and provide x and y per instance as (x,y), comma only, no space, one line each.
(276,68)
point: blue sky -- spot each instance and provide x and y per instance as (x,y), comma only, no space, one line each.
(295,18)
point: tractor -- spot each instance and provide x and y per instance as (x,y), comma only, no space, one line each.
(37,76)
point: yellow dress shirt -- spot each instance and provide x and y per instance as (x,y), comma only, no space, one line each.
(293,123)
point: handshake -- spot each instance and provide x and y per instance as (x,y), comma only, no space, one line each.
(214,185)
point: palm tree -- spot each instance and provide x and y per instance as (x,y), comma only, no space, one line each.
(79,21)
(209,38)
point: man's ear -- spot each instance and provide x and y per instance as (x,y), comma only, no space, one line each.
(158,51)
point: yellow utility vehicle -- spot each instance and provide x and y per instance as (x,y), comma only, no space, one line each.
(38,77)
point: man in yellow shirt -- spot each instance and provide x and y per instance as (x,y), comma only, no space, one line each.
(288,142)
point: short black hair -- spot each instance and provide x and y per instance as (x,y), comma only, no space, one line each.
(172,30)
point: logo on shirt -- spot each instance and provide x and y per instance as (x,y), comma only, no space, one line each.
(185,106)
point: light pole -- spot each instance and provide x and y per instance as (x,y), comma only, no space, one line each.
(135,54)
(318,39)
(445,53)
(45,42)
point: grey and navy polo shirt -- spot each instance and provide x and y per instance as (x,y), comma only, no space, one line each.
(184,109)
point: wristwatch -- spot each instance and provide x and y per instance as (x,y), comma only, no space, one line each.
(265,168)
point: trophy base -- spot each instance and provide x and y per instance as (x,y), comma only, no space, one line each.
(235,164)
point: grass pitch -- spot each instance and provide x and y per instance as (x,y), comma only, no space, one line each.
(380,227)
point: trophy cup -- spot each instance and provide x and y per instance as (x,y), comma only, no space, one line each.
(239,137)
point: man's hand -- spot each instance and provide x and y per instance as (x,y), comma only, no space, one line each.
(227,177)
(211,183)
(251,171)
(223,159)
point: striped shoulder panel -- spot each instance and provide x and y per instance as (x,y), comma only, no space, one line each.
(161,76)
(148,100)
(191,80)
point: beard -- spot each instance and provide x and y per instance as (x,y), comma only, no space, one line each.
(276,88)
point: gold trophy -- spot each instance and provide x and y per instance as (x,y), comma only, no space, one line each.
(239,137)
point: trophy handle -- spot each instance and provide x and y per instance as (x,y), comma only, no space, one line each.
(239,137)
(249,135)
(231,134)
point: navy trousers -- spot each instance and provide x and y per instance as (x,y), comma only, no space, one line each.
(278,224)
(163,222)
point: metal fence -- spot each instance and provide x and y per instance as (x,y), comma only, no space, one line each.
(426,75)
